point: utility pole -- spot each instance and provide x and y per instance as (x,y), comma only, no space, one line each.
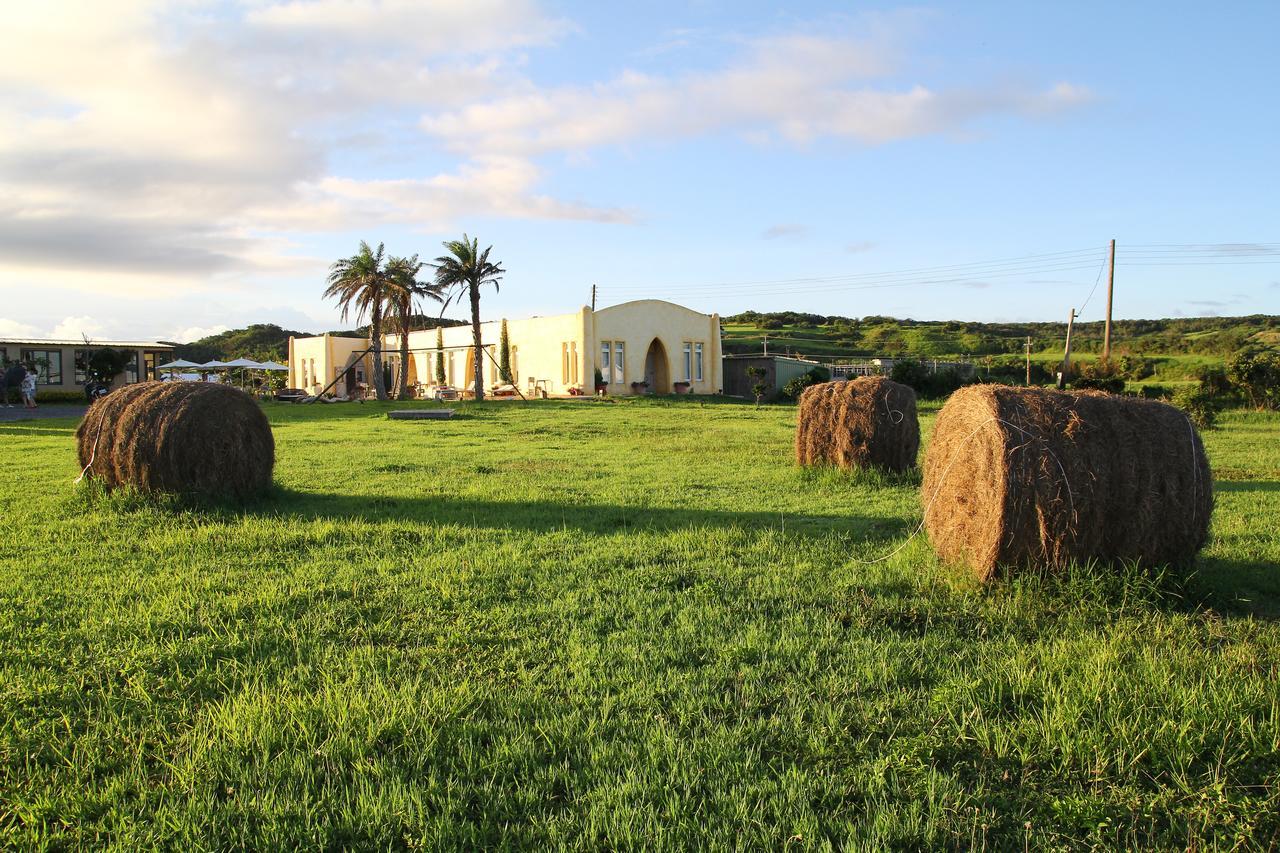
(593,299)
(1028,361)
(1066,353)
(1111,280)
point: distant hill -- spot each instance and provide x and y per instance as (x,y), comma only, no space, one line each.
(269,342)
(1177,346)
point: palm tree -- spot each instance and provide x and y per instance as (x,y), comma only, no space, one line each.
(403,289)
(359,283)
(465,270)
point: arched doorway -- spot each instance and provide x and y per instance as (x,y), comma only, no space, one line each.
(657,368)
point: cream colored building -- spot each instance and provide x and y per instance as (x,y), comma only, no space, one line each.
(636,342)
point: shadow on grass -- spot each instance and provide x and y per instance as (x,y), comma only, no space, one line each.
(1246,486)
(547,516)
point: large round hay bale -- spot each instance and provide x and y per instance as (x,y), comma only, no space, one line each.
(865,422)
(1028,477)
(183,437)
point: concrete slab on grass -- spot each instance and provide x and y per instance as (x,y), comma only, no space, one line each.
(420,414)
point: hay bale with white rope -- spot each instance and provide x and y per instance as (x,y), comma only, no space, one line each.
(865,422)
(1028,477)
(194,438)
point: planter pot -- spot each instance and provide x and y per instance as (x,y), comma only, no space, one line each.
(602,387)
(682,387)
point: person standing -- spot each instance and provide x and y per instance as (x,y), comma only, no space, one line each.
(12,379)
(29,390)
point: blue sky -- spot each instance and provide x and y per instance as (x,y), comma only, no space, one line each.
(167,170)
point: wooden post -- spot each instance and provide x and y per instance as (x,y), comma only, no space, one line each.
(1028,361)
(1111,280)
(593,298)
(1066,353)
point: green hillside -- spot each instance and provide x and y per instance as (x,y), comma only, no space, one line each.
(267,341)
(1176,347)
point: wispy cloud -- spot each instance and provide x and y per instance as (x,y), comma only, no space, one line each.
(859,247)
(784,230)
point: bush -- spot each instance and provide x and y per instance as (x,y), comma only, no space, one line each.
(1154,392)
(1202,408)
(1257,374)
(796,385)
(1214,382)
(943,383)
(59,396)
(1110,384)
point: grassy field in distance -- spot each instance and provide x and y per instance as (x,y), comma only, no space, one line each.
(622,624)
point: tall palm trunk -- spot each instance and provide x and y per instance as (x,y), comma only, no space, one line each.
(406,321)
(477,344)
(375,335)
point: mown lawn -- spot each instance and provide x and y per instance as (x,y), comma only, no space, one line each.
(623,624)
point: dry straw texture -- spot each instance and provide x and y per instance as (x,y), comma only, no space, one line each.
(865,422)
(1019,477)
(181,437)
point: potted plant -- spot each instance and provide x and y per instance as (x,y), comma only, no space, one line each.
(640,387)
(682,387)
(602,387)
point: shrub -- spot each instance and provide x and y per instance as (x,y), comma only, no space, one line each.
(1257,374)
(796,385)
(1154,392)
(1202,408)
(59,396)
(943,383)
(1110,384)
(1214,381)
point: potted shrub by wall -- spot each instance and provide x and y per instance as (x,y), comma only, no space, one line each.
(639,387)
(602,387)
(681,387)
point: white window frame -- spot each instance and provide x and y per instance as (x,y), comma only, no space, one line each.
(606,360)
(697,360)
(688,361)
(619,361)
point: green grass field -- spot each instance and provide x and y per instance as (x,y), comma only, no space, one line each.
(623,624)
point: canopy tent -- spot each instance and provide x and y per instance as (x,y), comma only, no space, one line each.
(177,364)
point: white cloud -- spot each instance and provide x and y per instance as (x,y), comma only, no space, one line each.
(429,26)
(796,88)
(14,329)
(195,333)
(162,141)
(78,328)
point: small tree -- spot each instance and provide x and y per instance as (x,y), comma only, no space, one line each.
(439,355)
(759,387)
(1257,374)
(504,355)
(105,364)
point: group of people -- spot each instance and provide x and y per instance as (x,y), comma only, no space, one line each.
(23,378)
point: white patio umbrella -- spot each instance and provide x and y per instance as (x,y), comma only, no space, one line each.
(213,365)
(272,365)
(244,362)
(177,364)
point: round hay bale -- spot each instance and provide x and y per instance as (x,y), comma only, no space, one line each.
(182,437)
(1028,477)
(865,422)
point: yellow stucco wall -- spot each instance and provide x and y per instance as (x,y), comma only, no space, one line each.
(560,351)
(322,359)
(639,324)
